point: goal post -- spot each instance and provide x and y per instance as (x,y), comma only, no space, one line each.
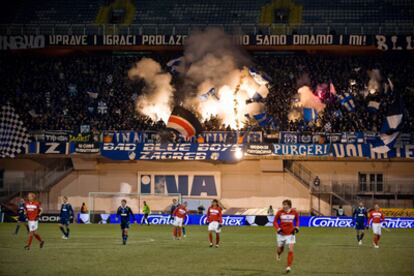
(108,202)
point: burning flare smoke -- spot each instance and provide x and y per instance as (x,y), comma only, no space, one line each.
(211,60)
(156,100)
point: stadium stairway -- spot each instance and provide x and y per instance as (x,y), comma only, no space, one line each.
(323,197)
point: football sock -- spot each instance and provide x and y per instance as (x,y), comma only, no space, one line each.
(67,232)
(184,231)
(63,230)
(358,237)
(175,232)
(210,237)
(37,236)
(179,232)
(378,238)
(290,259)
(362,236)
(217,238)
(29,241)
(17,229)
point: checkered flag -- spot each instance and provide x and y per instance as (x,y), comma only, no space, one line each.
(13,135)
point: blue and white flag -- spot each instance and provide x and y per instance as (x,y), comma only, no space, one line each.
(309,114)
(384,143)
(256,98)
(174,64)
(260,77)
(13,134)
(394,117)
(261,118)
(373,106)
(390,127)
(210,92)
(347,101)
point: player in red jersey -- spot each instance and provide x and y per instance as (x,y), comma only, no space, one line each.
(33,210)
(376,217)
(179,214)
(214,221)
(286,223)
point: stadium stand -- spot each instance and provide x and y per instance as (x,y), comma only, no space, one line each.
(388,15)
(53,92)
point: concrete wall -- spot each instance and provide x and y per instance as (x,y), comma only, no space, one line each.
(347,172)
(243,185)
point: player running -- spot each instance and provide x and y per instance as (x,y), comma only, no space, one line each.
(179,215)
(21,217)
(66,214)
(286,223)
(146,210)
(125,214)
(376,217)
(214,221)
(360,217)
(33,211)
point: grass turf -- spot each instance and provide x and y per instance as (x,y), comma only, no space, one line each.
(97,250)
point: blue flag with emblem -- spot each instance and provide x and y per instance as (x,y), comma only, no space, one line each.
(310,114)
(347,101)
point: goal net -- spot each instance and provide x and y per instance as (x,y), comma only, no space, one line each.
(108,202)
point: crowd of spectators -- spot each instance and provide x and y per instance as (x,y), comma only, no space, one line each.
(63,93)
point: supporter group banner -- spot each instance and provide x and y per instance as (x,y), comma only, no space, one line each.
(154,137)
(215,151)
(238,220)
(180,151)
(380,42)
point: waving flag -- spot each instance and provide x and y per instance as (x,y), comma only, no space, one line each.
(260,77)
(185,122)
(13,135)
(256,98)
(211,92)
(332,89)
(373,106)
(263,119)
(174,64)
(390,127)
(310,114)
(347,101)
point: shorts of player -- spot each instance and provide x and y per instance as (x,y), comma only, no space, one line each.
(22,218)
(376,228)
(359,226)
(214,226)
(283,240)
(33,225)
(124,225)
(178,222)
(64,221)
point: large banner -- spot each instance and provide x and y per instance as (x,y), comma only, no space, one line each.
(183,151)
(380,42)
(229,137)
(237,220)
(342,150)
(188,184)
(216,151)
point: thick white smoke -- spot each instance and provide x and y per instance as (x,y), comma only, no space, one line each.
(211,60)
(156,101)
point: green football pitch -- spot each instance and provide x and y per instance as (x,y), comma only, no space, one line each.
(97,250)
